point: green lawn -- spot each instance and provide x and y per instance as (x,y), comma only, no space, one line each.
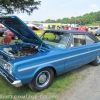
(60,84)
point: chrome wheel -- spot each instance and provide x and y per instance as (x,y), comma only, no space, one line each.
(96,62)
(98,59)
(43,78)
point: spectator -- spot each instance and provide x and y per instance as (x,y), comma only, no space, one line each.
(58,27)
(7,39)
(66,27)
(69,28)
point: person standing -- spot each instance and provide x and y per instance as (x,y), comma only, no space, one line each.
(7,39)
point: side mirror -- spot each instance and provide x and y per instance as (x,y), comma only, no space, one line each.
(16,37)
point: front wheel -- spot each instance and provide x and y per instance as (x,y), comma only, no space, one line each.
(96,62)
(42,79)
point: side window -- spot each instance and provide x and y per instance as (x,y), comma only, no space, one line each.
(89,40)
(79,39)
(52,36)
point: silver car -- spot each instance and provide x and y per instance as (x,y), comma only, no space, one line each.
(97,32)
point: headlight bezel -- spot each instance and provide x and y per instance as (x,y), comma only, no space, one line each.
(8,67)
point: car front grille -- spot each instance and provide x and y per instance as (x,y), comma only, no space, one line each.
(2,63)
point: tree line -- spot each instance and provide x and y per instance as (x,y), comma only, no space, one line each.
(28,6)
(87,18)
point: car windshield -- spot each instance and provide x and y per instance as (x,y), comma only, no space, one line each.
(56,39)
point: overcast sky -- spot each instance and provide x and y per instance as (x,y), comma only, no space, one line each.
(55,9)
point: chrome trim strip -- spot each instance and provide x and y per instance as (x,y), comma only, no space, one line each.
(23,69)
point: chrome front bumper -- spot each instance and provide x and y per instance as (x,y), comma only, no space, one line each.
(16,83)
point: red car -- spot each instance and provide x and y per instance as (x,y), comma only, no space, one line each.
(13,36)
(2,30)
(1,25)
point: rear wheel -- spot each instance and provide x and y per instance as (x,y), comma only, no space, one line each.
(42,79)
(96,62)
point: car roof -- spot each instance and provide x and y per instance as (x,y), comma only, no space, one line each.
(91,35)
(69,31)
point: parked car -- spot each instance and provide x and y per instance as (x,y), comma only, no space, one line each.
(1,25)
(97,32)
(93,29)
(2,30)
(37,60)
(36,29)
(13,36)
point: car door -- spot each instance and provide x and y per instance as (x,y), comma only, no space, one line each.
(80,53)
(93,48)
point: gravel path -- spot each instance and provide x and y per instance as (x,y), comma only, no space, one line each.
(87,87)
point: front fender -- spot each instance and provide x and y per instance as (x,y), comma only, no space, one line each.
(26,75)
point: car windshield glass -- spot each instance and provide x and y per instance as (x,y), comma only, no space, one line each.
(56,39)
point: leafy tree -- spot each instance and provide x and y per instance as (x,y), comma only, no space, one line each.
(59,20)
(65,20)
(50,21)
(87,18)
(73,20)
(97,16)
(11,6)
(79,20)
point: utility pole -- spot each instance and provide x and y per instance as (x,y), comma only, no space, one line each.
(75,18)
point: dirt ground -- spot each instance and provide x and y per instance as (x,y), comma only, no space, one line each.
(87,87)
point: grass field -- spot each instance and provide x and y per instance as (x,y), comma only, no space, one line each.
(60,84)
(94,24)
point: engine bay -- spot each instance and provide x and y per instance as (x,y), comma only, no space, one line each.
(17,51)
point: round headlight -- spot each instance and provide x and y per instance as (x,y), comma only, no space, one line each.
(9,67)
(5,66)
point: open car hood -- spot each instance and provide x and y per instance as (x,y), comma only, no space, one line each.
(20,29)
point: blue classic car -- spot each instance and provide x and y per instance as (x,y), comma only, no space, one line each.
(37,60)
